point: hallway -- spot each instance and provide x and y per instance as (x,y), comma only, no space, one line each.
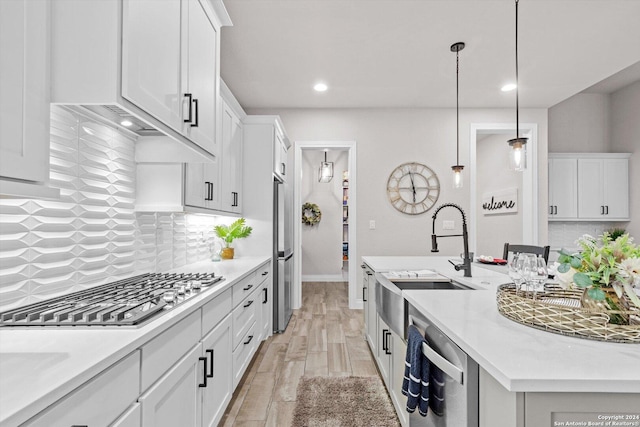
(323,338)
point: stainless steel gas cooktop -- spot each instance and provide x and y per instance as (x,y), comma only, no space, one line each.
(126,302)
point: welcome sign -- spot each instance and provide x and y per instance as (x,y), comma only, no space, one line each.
(500,202)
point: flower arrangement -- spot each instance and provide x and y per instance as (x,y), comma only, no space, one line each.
(603,265)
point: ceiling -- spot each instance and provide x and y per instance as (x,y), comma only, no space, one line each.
(396,53)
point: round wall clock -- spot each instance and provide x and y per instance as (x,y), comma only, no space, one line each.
(413,188)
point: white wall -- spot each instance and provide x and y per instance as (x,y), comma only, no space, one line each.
(493,231)
(580,124)
(322,243)
(389,137)
(625,137)
(91,235)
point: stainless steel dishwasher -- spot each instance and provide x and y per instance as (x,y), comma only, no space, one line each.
(459,372)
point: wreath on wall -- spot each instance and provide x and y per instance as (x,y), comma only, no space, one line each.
(311,214)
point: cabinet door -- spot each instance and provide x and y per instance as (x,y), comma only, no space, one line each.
(396,370)
(563,188)
(590,188)
(217,394)
(24,90)
(175,399)
(231,171)
(279,156)
(616,194)
(383,351)
(372,320)
(152,75)
(202,51)
(196,190)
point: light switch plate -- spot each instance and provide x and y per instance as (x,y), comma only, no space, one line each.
(372,224)
(448,225)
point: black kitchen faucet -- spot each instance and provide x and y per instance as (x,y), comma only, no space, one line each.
(466,264)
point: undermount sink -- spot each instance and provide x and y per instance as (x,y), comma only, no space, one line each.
(428,285)
(390,305)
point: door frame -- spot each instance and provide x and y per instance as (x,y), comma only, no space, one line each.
(530,215)
(350,147)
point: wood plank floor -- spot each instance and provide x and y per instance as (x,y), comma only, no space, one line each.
(323,338)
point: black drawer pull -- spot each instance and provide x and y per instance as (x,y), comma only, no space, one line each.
(384,339)
(210,352)
(249,340)
(266,295)
(388,350)
(364,288)
(264,273)
(195,103)
(204,377)
(247,288)
(248,304)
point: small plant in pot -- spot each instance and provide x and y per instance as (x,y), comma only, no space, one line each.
(228,233)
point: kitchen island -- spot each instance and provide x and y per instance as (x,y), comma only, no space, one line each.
(522,370)
(39,366)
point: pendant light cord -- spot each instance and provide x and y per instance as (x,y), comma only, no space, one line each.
(517,82)
(457,113)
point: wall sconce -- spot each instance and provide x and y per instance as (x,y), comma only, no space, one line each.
(325,173)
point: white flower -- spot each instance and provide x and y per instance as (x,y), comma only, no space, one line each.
(565,280)
(630,269)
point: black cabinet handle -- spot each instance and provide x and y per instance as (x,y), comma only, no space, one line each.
(208,196)
(195,103)
(282,168)
(601,210)
(210,353)
(606,212)
(384,339)
(364,288)
(550,210)
(555,210)
(248,304)
(204,377)
(388,350)
(264,273)
(190,98)
(266,296)
(249,340)
(362,266)
(247,288)
(235,198)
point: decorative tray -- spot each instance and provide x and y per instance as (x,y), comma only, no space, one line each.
(560,311)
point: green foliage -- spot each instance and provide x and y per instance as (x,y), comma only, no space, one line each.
(237,230)
(616,232)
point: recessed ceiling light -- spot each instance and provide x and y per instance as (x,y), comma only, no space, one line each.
(126,122)
(320,87)
(508,87)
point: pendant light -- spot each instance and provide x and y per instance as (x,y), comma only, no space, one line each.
(325,173)
(517,145)
(457,168)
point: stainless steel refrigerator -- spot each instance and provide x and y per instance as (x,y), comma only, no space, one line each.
(283,253)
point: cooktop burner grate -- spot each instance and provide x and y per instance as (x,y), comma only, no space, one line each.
(126,302)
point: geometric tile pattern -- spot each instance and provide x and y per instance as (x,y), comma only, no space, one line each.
(91,235)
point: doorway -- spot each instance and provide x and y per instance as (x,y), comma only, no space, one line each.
(343,266)
(528,185)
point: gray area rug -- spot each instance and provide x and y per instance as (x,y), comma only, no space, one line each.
(342,402)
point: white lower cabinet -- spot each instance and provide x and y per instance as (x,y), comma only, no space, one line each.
(174,400)
(217,395)
(98,402)
(131,418)
(243,353)
(265,317)
(383,352)
(398,350)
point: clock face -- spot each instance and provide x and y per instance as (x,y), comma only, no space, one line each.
(413,188)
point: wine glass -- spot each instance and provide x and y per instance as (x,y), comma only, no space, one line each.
(514,272)
(526,265)
(539,274)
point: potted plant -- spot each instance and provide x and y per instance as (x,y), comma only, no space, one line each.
(228,233)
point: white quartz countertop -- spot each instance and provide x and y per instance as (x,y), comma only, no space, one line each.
(40,365)
(519,357)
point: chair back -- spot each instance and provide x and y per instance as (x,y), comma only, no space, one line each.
(527,249)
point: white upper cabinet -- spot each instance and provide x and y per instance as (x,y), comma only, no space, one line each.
(563,188)
(231,170)
(24,98)
(280,148)
(603,188)
(169,64)
(589,186)
(157,61)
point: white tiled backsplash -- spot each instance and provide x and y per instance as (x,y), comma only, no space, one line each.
(565,234)
(91,235)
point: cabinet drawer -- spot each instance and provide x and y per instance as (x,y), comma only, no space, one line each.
(243,353)
(216,310)
(166,349)
(244,315)
(244,288)
(263,274)
(98,402)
